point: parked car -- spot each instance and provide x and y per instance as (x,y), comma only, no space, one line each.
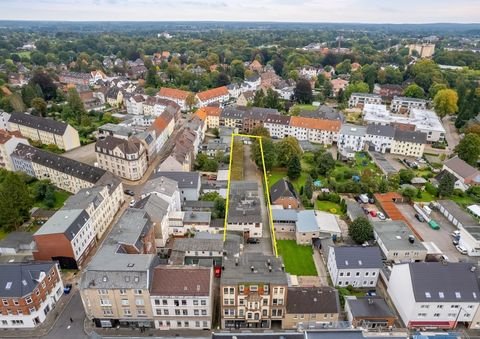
(371,293)
(67,288)
(381,216)
(371,200)
(461,249)
(373,213)
(365,210)
(455,234)
(455,241)
(253,241)
(129,192)
(132,203)
(419,217)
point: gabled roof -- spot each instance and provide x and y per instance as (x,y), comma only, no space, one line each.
(7,135)
(130,146)
(320,124)
(282,189)
(213,93)
(278,119)
(181,281)
(381,130)
(156,207)
(354,257)
(21,278)
(161,122)
(410,136)
(173,93)
(312,300)
(68,222)
(183,179)
(460,167)
(43,124)
(369,307)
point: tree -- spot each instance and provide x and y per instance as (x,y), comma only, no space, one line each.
(409,192)
(446,184)
(237,69)
(308,190)
(357,87)
(40,106)
(268,153)
(209,196)
(28,94)
(151,78)
(38,58)
(303,92)
(406,175)
(325,163)
(414,91)
(76,109)
(294,169)
(222,80)
(383,186)
(45,84)
(272,100)
(260,131)
(287,148)
(344,67)
(219,208)
(259,99)
(15,201)
(361,230)
(278,65)
(445,102)
(191,100)
(17,103)
(468,149)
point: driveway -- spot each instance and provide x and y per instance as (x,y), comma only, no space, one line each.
(440,237)
(451,135)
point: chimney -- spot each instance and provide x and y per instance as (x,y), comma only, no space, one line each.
(269,268)
(283,267)
(370,301)
(252,268)
(473,269)
(411,239)
(268,262)
(236,261)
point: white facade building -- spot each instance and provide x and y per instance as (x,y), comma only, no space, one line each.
(405,104)
(360,99)
(351,139)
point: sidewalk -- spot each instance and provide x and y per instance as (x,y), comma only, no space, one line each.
(44,328)
(321,269)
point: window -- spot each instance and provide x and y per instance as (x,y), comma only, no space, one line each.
(5,302)
(126,311)
(254,288)
(177,312)
(203,302)
(436,315)
(164,302)
(166,312)
(15,302)
(204,312)
(197,323)
(139,302)
(138,292)
(184,302)
(195,302)
(341,274)
(140,311)
(102,292)
(196,312)
(125,302)
(240,289)
(159,311)
(225,290)
(123,291)
(232,290)
(184,312)
(264,313)
(107,311)
(187,324)
(357,274)
(105,302)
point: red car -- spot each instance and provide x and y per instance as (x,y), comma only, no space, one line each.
(373,213)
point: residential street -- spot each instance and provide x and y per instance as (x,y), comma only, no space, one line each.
(63,328)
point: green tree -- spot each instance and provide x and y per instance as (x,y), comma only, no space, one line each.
(75,106)
(40,106)
(219,208)
(360,230)
(209,196)
(468,149)
(446,184)
(445,102)
(151,78)
(16,102)
(409,192)
(344,67)
(294,169)
(260,131)
(357,87)
(28,94)
(414,91)
(325,163)
(303,92)
(383,186)
(259,99)
(191,101)
(15,201)
(272,100)
(287,148)
(308,190)
(406,175)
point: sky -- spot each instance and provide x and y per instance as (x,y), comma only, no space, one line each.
(364,11)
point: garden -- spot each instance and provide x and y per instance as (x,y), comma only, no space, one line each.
(298,259)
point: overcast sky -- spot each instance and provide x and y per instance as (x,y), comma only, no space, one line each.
(371,11)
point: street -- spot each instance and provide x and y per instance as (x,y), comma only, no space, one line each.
(63,328)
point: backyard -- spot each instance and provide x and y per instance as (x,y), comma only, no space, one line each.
(328,206)
(298,259)
(279,173)
(236,169)
(60,197)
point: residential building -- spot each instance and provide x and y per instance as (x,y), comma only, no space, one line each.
(204,249)
(282,193)
(210,115)
(388,91)
(408,143)
(188,183)
(379,138)
(357,266)
(397,241)
(183,154)
(320,131)
(424,50)
(8,143)
(277,125)
(215,148)
(465,174)
(4,117)
(255,117)
(115,286)
(75,78)
(218,95)
(67,174)
(244,213)
(29,292)
(311,306)
(158,210)
(182,297)
(163,126)
(134,104)
(434,294)
(369,312)
(47,131)
(255,66)
(185,223)
(324,112)
(253,292)
(403,105)
(245,98)
(351,139)
(175,95)
(360,99)
(232,117)
(253,81)
(338,85)
(165,188)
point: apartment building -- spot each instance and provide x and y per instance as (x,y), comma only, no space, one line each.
(75,78)
(358,100)
(232,117)
(211,116)
(163,126)
(253,292)
(351,139)
(403,105)
(29,292)
(380,137)
(218,95)
(357,266)
(134,104)
(408,143)
(182,297)
(182,156)
(277,125)
(175,95)
(67,174)
(8,143)
(115,286)
(255,117)
(125,158)
(189,183)
(47,131)
(320,131)
(434,294)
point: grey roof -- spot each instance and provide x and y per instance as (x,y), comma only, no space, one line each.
(83,198)
(197,244)
(381,130)
(369,307)
(117,129)
(410,136)
(470,224)
(279,215)
(110,143)
(354,209)
(193,216)
(307,222)
(278,119)
(44,124)
(244,207)
(440,282)
(16,239)
(394,235)
(352,257)
(409,99)
(156,207)
(194,205)
(65,165)
(282,188)
(21,278)
(323,112)
(355,130)
(312,300)
(162,185)
(232,113)
(184,179)
(240,271)
(68,222)
(369,95)
(460,167)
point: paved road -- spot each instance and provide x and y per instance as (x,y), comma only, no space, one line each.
(63,328)
(451,134)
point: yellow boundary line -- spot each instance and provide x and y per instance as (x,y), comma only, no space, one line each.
(267,189)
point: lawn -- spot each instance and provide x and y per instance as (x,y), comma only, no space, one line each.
(305,107)
(24,54)
(426,197)
(279,173)
(60,197)
(463,201)
(298,259)
(328,206)
(363,162)
(236,170)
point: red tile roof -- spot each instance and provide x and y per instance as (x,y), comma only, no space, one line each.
(173,93)
(212,93)
(6,135)
(204,112)
(320,124)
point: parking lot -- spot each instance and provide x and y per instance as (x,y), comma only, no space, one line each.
(441,237)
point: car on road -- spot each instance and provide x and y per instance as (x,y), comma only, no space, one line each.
(461,249)
(129,192)
(132,203)
(381,216)
(253,241)
(419,217)
(67,288)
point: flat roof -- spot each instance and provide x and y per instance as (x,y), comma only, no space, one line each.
(395,234)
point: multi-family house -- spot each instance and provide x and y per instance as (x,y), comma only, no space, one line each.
(182,156)
(311,306)
(125,158)
(465,174)
(277,125)
(189,222)
(67,174)
(8,143)
(29,292)
(232,117)
(163,126)
(4,117)
(253,81)
(47,131)
(403,105)
(255,117)
(182,297)
(283,193)
(175,95)
(388,91)
(351,139)
(360,99)
(158,210)
(244,209)
(314,130)
(245,98)
(408,143)
(189,183)
(355,266)
(75,78)
(397,242)
(234,90)
(115,286)
(253,292)
(211,116)
(218,95)
(380,137)
(114,96)
(164,188)
(134,104)
(435,294)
